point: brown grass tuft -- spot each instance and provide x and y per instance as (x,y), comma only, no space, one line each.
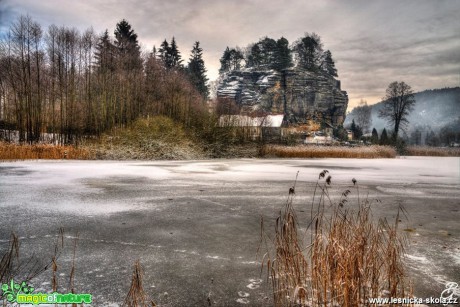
(348,259)
(8,260)
(364,152)
(433,151)
(42,151)
(136,296)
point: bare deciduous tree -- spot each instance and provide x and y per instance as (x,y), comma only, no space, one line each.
(397,104)
(363,116)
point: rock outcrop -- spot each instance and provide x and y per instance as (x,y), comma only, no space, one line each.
(299,94)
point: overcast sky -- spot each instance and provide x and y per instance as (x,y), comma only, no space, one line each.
(372,42)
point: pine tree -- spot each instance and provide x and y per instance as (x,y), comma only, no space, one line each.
(170,55)
(255,56)
(176,58)
(225,61)
(105,53)
(236,56)
(164,54)
(197,70)
(283,58)
(384,137)
(357,131)
(353,126)
(328,64)
(375,136)
(128,47)
(231,60)
(309,50)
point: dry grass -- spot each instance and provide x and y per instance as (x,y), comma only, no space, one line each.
(154,138)
(41,151)
(366,152)
(347,260)
(136,296)
(13,267)
(8,260)
(432,151)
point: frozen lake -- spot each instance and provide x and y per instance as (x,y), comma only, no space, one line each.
(195,225)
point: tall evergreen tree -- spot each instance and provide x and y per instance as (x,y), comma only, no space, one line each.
(170,55)
(384,137)
(283,58)
(309,50)
(231,60)
(357,130)
(263,54)
(375,136)
(197,70)
(176,58)
(164,54)
(105,53)
(328,64)
(225,61)
(128,47)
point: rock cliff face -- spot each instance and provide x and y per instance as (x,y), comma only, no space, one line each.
(299,94)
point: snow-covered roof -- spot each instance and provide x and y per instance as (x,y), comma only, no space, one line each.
(248,121)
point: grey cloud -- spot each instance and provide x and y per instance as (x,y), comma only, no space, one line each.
(373,42)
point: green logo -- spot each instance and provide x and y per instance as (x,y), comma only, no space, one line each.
(23,294)
(11,290)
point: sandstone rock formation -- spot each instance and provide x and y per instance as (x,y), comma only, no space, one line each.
(299,94)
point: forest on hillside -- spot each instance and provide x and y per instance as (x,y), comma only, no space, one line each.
(72,84)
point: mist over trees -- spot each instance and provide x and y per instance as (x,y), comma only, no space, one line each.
(436,110)
(305,53)
(70,83)
(363,116)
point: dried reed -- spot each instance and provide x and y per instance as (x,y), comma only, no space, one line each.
(136,296)
(14,267)
(8,259)
(432,151)
(349,258)
(42,151)
(365,152)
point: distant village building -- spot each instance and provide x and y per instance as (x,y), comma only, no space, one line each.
(267,128)
(318,138)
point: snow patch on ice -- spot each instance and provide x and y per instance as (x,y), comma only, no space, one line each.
(420,259)
(244,301)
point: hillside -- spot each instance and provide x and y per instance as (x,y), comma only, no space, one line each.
(433,110)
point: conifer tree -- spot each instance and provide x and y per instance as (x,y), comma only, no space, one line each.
(328,64)
(283,58)
(309,50)
(225,61)
(197,70)
(176,58)
(128,47)
(384,137)
(105,53)
(164,54)
(375,136)
(231,60)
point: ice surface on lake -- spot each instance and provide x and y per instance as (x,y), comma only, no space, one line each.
(208,213)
